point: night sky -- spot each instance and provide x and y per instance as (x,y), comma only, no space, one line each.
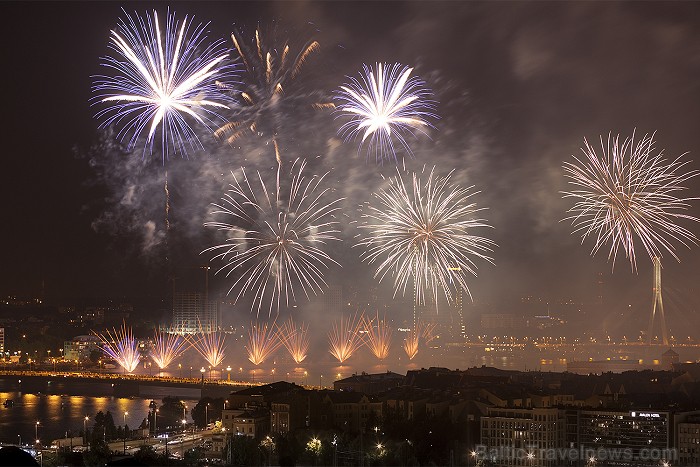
(519,85)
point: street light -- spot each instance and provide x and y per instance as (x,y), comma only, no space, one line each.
(202,370)
(179,365)
(124,431)
(36,432)
(228,369)
(85,427)
(206,415)
(184,427)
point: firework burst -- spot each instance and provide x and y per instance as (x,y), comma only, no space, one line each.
(263,341)
(378,335)
(386,106)
(629,193)
(424,233)
(210,345)
(167,346)
(162,79)
(274,247)
(412,341)
(345,337)
(121,346)
(295,339)
(267,91)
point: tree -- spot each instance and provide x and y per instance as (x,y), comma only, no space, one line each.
(170,412)
(110,427)
(202,410)
(244,451)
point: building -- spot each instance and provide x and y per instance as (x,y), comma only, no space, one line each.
(604,366)
(351,411)
(521,436)
(253,422)
(369,383)
(687,436)
(669,358)
(193,313)
(2,341)
(80,347)
(644,436)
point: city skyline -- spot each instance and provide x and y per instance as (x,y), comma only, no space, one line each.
(515,102)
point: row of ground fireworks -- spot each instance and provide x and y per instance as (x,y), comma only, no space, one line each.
(418,233)
(345,337)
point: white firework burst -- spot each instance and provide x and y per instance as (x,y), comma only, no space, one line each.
(386,106)
(424,233)
(162,79)
(273,246)
(629,193)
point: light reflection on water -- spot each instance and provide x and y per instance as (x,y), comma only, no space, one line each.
(60,413)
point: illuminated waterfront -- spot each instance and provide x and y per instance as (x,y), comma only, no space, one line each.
(60,415)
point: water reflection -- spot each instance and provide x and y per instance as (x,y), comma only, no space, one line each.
(63,416)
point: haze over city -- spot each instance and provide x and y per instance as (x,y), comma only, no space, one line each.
(263,191)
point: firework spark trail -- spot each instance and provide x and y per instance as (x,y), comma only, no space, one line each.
(295,339)
(412,340)
(275,249)
(263,341)
(269,73)
(167,346)
(345,337)
(121,346)
(378,335)
(629,193)
(165,80)
(385,105)
(423,233)
(211,345)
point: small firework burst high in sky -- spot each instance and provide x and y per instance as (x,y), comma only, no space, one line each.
(162,79)
(378,336)
(121,346)
(264,98)
(295,339)
(630,193)
(424,233)
(167,346)
(210,345)
(263,341)
(385,106)
(345,337)
(273,248)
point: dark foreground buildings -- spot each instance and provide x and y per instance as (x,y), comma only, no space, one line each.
(481,416)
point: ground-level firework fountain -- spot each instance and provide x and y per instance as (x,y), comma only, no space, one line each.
(345,337)
(295,339)
(167,346)
(263,341)
(121,346)
(378,335)
(210,345)
(418,332)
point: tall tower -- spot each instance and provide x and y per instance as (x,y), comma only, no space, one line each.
(658,301)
